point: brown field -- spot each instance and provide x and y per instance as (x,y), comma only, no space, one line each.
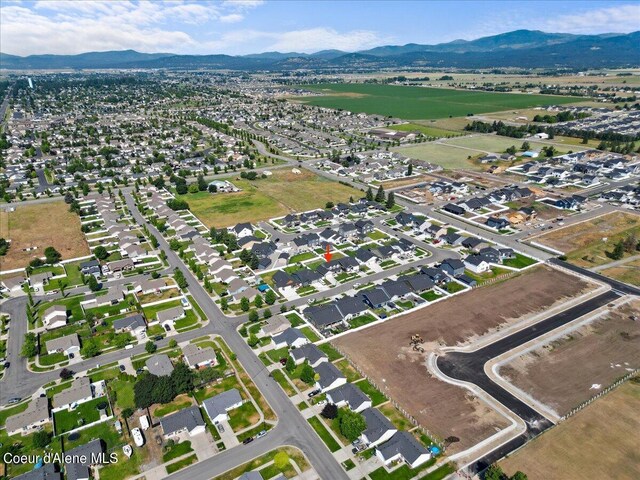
(584,244)
(628,272)
(443,408)
(41,226)
(561,373)
(599,442)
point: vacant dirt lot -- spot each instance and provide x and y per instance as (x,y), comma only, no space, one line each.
(564,373)
(441,407)
(601,441)
(41,226)
(585,243)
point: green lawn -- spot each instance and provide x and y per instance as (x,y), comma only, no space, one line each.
(332,353)
(324,434)
(84,414)
(347,369)
(180,464)
(301,257)
(519,262)
(425,130)
(177,450)
(377,235)
(171,407)
(372,392)
(406,473)
(243,416)
(414,103)
(279,377)
(310,334)
(430,296)
(361,320)
(124,392)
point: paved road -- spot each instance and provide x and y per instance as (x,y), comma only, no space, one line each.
(291,425)
(469,367)
(615,284)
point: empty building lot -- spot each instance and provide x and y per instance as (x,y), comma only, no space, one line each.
(573,368)
(575,449)
(384,354)
(29,227)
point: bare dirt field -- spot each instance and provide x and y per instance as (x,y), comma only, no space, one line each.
(600,442)
(41,226)
(586,243)
(443,408)
(563,373)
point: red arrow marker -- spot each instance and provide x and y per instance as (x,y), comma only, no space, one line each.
(327,254)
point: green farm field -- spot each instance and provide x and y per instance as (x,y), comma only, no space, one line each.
(413,103)
(265,198)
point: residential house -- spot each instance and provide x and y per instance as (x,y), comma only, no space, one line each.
(275,325)
(379,428)
(134,324)
(69,345)
(91,267)
(54,317)
(323,316)
(197,357)
(79,392)
(291,337)
(330,377)
(167,318)
(33,418)
(242,230)
(308,353)
(217,407)
(403,446)
(477,263)
(453,266)
(350,396)
(82,458)
(159,365)
(187,420)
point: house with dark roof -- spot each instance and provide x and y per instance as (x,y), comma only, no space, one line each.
(291,337)
(88,455)
(350,307)
(323,316)
(437,275)
(452,208)
(329,376)
(134,324)
(242,230)
(217,407)
(49,471)
(379,428)
(403,446)
(419,283)
(453,266)
(186,420)
(350,396)
(477,263)
(497,222)
(159,365)
(91,267)
(308,353)
(376,297)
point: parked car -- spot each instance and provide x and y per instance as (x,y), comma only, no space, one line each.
(261,433)
(122,368)
(283,361)
(14,400)
(157,338)
(220,427)
(7,364)
(313,393)
(247,440)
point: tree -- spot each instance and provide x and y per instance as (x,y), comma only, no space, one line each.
(410,170)
(369,194)
(330,411)
(244,304)
(329,205)
(173,343)
(391,200)
(352,424)
(212,188)
(281,460)
(202,184)
(150,347)
(307,375)
(163,390)
(68,198)
(179,278)
(380,196)
(494,472)
(143,390)
(29,346)
(126,413)
(290,366)
(224,304)
(270,297)
(93,284)
(52,255)
(519,476)
(66,374)
(182,189)
(41,439)
(182,377)
(253,316)
(618,251)
(258,301)
(4,246)
(266,314)
(90,349)
(525,146)
(253,340)
(121,340)
(100,252)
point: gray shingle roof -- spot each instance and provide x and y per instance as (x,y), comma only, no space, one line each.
(377,424)
(188,418)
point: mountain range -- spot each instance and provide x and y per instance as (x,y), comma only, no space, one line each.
(520,49)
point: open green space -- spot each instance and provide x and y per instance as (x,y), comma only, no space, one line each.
(414,103)
(324,434)
(83,414)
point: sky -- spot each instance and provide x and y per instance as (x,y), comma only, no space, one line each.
(238,27)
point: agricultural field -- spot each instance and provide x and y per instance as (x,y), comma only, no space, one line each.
(451,410)
(41,226)
(274,196)
(498,144)
(586,243)
(563,373)
(574,450)
(413,103)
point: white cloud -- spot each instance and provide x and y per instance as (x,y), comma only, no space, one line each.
(621,18)
(232,18)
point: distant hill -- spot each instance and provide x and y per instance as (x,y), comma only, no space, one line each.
(520,49)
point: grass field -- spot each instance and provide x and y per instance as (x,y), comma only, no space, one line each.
(41,226)
(586,243)
(277,195)
(414,103)
(601,441)
(424,129)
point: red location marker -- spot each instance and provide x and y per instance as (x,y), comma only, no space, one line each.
(327,254)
